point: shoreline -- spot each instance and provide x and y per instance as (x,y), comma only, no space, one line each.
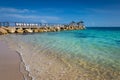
(11,65)
(23,69)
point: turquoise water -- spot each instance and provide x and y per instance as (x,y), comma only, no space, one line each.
(101,45)
(96,46)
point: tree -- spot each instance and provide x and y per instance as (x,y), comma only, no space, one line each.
(80,23)
(72,23)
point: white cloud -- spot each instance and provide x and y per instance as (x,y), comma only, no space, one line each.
(13,14)
(33,17)
(23,17)
(14,10)
(43,21)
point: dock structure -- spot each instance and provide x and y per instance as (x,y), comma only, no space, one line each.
(25,27)
(4,24)
(28,24)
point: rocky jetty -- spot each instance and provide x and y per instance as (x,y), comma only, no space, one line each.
(11,30)
(28,30)
(19,30)
(3,31)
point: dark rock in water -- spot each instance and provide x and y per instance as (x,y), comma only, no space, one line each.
(82,35)
(117,41)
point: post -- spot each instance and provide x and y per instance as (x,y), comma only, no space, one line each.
(15,24)
(8,24)
(0,24)
(39,24)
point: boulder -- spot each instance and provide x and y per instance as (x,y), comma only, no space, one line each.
(3,31)
(48,29)
(54,30)
(44,30)
(28,30)
(61,28)
(20,30)
(57,28)
(6,28)
(35,30)
(11,30)
(40,30)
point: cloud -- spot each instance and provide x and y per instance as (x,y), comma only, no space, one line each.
(14,10)
(33,16)
(43,21)
(29,18)
(13,14)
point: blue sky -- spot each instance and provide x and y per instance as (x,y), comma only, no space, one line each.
(92,12)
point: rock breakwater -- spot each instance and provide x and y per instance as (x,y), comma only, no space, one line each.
(11,30)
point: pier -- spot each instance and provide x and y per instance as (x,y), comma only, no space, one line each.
(25,27)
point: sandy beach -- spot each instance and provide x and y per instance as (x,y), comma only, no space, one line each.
(9,64)
(61,56)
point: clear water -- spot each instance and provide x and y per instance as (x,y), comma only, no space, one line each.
(94,46)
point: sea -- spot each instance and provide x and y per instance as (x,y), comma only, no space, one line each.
(90,54)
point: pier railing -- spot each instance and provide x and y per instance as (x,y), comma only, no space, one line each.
(22,27)
(29,24)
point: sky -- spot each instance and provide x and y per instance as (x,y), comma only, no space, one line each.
(92,12)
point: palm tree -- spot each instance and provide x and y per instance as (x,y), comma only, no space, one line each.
(80,23)
(72,23)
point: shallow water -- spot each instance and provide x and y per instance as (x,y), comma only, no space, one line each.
(91,54)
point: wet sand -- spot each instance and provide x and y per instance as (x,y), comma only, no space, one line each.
(9,64)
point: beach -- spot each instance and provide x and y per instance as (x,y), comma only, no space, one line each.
(69,55)
(11,66)
(60,40)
